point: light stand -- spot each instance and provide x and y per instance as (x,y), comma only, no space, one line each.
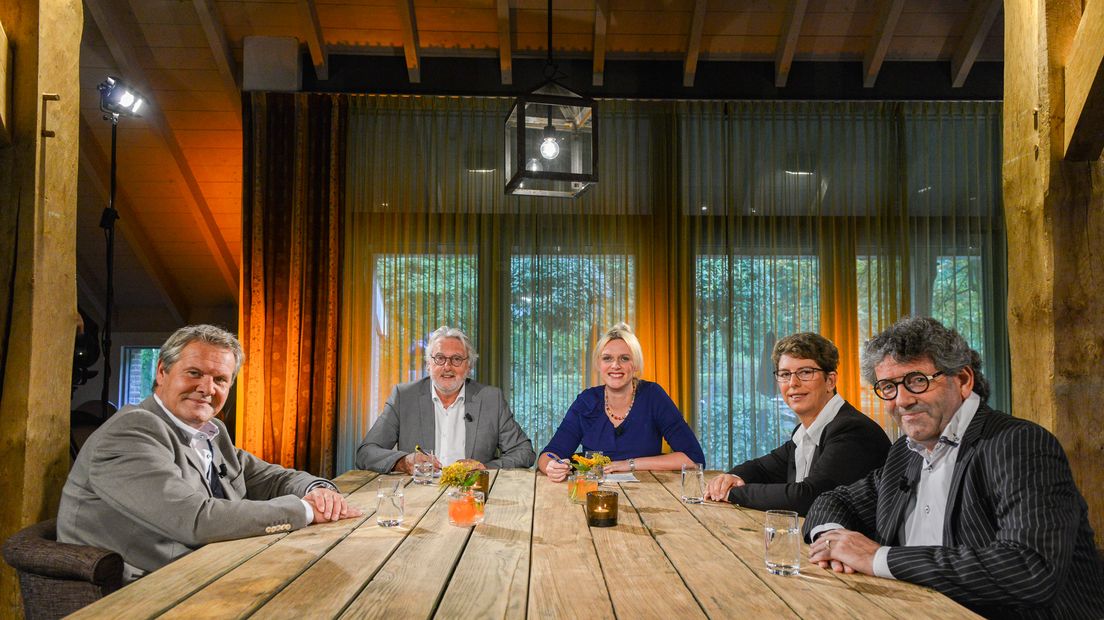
(116,99)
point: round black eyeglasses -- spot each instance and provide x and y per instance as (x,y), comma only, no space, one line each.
(915,382)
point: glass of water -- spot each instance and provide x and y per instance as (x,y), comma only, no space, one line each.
(423,472)
(390,506)
(782,539)
(693,483)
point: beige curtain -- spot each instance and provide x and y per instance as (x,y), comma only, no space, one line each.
(716,228)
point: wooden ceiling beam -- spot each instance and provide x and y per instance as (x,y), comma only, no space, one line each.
(977,29)
(97,167)
(879,42)
(122,42)
(787,41)
(601,24)
(308,15)
(1084,88)
(220,48)
(409,24)
(693,45)
(505,43)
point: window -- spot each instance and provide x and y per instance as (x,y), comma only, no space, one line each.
(956,298)
(559,307)
(744,305)
(136,374)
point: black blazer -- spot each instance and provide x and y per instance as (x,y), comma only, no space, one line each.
(1016,538)
(850,446)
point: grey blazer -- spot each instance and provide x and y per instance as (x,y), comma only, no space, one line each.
(1016,537)
(492,437)
(139,489)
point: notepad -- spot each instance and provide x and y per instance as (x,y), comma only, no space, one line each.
(625,477)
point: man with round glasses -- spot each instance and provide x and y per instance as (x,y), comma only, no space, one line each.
(834,444)
(445,417)
(971,502)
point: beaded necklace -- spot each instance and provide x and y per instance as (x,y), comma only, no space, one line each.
(632,399)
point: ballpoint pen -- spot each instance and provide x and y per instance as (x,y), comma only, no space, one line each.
(556,457)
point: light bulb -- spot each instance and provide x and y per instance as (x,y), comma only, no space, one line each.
(549,149)
(534,165)
(127,99)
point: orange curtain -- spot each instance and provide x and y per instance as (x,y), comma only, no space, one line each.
(291,255)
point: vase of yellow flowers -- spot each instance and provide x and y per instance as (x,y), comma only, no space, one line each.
(465,505)
(587,475)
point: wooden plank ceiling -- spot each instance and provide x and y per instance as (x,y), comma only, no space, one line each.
(179,166)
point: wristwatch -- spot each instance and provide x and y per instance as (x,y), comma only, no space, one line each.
(632,465)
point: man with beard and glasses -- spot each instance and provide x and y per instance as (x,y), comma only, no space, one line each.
(162,478)
(971,502)
(445,417)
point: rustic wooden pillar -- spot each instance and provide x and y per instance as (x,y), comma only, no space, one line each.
(1054,209)
(38,194)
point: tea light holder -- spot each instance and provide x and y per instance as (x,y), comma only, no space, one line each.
(601,508)
(482,482)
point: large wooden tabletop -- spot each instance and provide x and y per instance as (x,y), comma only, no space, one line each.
(534,557)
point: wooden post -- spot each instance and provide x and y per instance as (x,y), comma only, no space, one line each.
(1055,232)
(38,194)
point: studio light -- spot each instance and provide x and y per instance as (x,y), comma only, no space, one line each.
(118,98)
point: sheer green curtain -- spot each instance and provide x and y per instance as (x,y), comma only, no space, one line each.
(716,228)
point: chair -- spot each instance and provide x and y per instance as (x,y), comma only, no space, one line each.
(57,579)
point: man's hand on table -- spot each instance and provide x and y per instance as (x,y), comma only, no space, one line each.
(329,505)
(405,465)
(844,551)
(718,488)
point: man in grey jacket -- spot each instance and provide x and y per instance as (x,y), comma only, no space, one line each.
(161,479)
(447,415)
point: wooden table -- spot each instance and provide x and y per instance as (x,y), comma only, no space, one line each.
(534,557)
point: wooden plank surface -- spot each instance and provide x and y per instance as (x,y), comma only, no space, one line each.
(633,564)
(411,582)
(354,479)
(492,578)
(344,570)
(717,578)
(244,589)
(565,578)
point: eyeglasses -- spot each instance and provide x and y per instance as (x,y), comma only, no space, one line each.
(915,382)
(455,360)
(805,374)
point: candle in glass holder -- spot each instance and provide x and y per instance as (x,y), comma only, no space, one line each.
(601,508)
(482,482)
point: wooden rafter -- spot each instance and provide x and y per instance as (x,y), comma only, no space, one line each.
(97,168)
(981,22)
(1084,88)
(787,41)
(505,43)
(879,42)
(220,48)
(693,45)
(601,24)
(121,43)
(308,13)
(410,39)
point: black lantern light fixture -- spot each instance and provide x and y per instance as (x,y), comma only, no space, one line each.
(116,99)
(551,138)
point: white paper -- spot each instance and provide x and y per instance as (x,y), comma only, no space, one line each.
(625,477)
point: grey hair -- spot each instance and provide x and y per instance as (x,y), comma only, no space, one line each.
(208,334)
(445,331)
(912,338)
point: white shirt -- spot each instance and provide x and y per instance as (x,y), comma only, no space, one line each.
(807,439)
(927,508)
(449,430)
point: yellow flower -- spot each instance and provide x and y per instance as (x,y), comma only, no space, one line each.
(584,464)
(459,474)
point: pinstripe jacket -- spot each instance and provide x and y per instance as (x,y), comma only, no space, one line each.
(1016,538)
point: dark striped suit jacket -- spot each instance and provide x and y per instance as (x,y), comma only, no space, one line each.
(1016,538)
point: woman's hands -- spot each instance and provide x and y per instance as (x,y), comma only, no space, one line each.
(555,468)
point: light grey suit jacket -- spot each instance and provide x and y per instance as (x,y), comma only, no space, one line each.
(492,437)
(139,489)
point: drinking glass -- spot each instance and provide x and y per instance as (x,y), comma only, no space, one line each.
(423,472)
(390,506)
(693,483)
(782,540)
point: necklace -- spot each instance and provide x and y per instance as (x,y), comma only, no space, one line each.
(632,399)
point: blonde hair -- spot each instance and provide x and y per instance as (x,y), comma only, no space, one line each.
(621,331)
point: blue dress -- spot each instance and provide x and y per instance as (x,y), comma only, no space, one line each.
(653,418)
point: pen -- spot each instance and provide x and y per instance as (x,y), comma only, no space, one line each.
(556,457)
